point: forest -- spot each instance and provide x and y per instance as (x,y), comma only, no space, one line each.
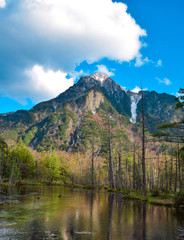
(140,165)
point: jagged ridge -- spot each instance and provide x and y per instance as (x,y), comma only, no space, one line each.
(60,118)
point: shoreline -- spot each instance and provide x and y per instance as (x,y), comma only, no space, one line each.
(162,200)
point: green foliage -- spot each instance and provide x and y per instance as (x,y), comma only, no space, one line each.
(23,159)
(89,131)
(48,168)
(53,118)
(168,125)
(3,158)
(180,99)
(124,120)
(30,135)
(179,198)
(3,146)
(10,134)
(108,108)
(53,132)
(155,193)
(43,107)
(121,136)
(160,134)
(172,131)
(28,118)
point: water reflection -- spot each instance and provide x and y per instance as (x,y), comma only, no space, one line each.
(70,229)
(37,230)
(85,215)
(110,215)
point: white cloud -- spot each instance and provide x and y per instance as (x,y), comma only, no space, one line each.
(88,29)
(138,89)
(2,3)
(40,85)
(75,75)
(159,63)
(46,83)
(103,69)
(61,34)
(140,61)
(166,81)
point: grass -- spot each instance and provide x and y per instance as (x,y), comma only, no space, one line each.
(160,200)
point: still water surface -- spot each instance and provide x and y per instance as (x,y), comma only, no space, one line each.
(38,213)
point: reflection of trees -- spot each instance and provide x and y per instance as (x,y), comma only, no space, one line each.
(119,204)
(107,215)
(70,229)
(144,221)
(139,221)
(37,231)
(91,212)
(77,222)
(110,210)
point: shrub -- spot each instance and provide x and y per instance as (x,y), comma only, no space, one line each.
(154,193)
(179,198)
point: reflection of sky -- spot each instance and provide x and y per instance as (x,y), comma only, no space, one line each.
(81,214)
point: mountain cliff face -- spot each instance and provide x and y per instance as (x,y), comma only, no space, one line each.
(159,109)
(111,90)
(55,123)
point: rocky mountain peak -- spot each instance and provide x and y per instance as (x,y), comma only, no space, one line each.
(99,76)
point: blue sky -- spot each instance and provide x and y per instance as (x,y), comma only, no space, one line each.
(45,46)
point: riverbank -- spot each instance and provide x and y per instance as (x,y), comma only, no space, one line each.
(162,199)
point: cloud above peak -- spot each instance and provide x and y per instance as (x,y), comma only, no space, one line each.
(103,69)
(60,34)
(84,29)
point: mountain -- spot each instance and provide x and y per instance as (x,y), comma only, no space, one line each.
(56,123)
(111,90)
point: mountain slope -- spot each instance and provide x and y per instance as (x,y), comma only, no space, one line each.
(111,90)
(55,123)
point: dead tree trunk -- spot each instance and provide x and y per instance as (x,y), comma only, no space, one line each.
(12,173)
(176,175)
(166,172)
(111,173)
(119,172)
(92,163)
(143,150)
(134,172)
(158,175)
(171,171)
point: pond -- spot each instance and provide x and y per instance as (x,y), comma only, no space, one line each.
(41,212)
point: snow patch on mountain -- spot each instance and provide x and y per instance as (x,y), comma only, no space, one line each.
(99,76)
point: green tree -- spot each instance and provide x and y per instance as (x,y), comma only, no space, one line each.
(22,160)
(3,159)
(49,167)
(109,121)
(89,135)
(173,132)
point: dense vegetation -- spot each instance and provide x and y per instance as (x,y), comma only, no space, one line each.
(103,156)
(104,150)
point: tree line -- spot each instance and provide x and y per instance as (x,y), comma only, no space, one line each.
(105,153)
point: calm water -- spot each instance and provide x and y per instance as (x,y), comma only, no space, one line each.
(39,213)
